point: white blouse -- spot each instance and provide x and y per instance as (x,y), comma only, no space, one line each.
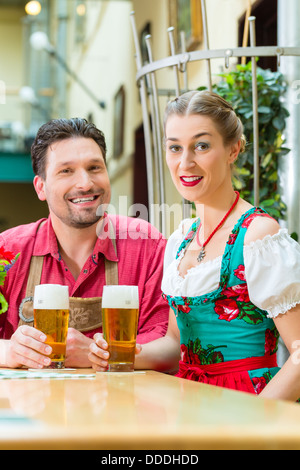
(272,272)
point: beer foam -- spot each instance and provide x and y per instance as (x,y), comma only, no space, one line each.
(120,297)
(51,297)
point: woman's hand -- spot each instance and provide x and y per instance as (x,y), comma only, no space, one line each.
(99,354)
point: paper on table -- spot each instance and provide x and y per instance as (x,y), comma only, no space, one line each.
(10,417)
(50,370)
(41,374)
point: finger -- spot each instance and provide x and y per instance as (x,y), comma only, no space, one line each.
(30,358)
(31,332)
(100,341)
(99,369)
(97,363)
(34,361)
(98,352)
(138,349)
(34,341)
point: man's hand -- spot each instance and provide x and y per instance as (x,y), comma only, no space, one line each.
(26,348)
(77,349)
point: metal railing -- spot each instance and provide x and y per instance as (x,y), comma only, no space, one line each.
(149,95)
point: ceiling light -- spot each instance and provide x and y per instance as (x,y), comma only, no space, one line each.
(80,9)
(39,41)
(33,8)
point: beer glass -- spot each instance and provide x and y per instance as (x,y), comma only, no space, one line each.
(51,316)
(120,312)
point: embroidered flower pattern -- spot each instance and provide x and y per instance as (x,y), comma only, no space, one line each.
(240,272)
(193,353)
(237,305)
(184,308)
(249,219)
(227,309)
(259,383)
(271,341)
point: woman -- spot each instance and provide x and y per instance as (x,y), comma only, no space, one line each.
(232,276)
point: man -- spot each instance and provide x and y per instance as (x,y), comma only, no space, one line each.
(79,246)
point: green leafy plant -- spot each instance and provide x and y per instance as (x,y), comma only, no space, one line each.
(236,87)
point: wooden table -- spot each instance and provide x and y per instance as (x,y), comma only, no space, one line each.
(142,410)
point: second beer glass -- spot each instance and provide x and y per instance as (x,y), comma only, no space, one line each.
(120,312)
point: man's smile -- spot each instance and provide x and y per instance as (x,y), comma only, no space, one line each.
(83,199)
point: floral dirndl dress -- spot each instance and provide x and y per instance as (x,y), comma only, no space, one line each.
(225,339)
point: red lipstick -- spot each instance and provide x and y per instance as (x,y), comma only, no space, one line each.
(190,181)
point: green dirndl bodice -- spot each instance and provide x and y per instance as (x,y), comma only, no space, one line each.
(225,339)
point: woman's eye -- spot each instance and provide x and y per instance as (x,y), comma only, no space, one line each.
(202,146)
(175,148)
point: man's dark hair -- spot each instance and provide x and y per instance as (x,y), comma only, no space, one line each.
(61,129)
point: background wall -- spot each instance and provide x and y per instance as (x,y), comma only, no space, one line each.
(98,47)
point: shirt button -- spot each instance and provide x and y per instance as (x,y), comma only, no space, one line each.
(85,271)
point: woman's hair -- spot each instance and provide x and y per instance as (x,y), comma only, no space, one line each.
(206,103)
(61,129)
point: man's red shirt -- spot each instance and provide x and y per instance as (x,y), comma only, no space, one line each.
(140,253)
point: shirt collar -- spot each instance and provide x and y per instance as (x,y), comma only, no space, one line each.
(46,241)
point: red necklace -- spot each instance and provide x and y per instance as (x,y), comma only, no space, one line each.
(202,253)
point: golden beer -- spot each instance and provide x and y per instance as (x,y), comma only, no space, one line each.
(54,324)
(120,312)
(51,316)
(119,330)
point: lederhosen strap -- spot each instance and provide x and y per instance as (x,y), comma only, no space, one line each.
(85,313)
(34,278)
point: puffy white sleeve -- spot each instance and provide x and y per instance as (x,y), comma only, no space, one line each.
(272,272)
